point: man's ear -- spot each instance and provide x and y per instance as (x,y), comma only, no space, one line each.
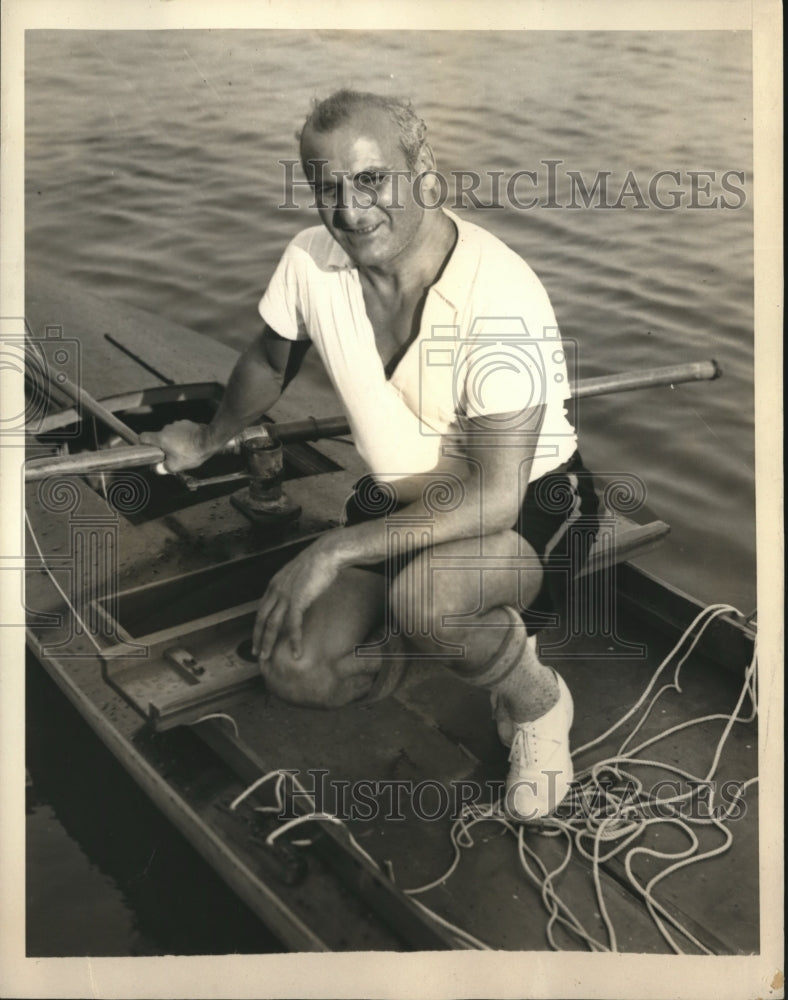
(426,159)
(432,182)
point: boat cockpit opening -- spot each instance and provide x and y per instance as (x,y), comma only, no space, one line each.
(70,433)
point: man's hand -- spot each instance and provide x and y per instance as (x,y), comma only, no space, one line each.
(290,593)
(254,386)
(184,443)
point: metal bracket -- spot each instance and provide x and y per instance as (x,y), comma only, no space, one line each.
(264,501)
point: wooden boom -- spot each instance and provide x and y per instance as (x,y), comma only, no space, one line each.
(314,429)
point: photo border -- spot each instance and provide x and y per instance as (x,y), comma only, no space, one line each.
(457,974)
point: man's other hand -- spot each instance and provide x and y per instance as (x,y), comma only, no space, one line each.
(290,593)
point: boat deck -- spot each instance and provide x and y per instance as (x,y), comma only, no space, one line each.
(439,733)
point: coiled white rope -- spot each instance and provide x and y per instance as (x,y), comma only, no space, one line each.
(628,821)
(615,818)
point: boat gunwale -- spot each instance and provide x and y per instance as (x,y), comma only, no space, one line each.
(268,906)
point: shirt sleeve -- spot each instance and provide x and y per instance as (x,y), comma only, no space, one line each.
(514,362)
(280,306)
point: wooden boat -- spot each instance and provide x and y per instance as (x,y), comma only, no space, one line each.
(141,590)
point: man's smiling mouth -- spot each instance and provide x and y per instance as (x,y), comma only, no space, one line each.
(365,231)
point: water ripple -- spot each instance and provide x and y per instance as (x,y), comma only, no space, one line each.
(153,175)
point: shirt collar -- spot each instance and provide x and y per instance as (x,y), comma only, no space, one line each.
(460,271)
(458,274)
(337,259)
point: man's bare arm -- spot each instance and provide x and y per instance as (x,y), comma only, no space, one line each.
(254,386)
(490,470)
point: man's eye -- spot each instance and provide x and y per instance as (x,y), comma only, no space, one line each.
(371,179)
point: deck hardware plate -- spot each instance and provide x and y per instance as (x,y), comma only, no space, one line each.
(185,663)
(171,687)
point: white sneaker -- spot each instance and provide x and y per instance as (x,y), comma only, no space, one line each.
(541,766)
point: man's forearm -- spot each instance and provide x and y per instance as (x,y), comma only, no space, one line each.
(490,483)
(252,389)
(474,517)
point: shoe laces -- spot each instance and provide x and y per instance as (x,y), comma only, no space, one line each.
(523,750)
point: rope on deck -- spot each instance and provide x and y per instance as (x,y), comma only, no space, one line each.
(463,937)
(616,811)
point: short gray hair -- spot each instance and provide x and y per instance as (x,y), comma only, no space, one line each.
(327,114)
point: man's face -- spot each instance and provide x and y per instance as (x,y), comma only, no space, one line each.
(368,210)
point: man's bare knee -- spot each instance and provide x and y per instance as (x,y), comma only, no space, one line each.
(296,680)
(420,609)
(311,680)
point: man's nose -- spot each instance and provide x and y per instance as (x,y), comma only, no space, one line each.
(352,205)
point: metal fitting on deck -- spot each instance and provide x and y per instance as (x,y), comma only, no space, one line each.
(264,500)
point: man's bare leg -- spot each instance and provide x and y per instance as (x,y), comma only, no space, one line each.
(473,609)
(332,669)
(421,604)
(533,707)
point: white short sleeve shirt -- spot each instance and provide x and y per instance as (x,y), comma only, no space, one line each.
(488,345)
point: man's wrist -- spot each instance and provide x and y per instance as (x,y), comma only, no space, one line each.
(357,545)
(333,547)
(214,438)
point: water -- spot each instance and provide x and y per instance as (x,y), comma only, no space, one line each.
(106,874)
(152,176)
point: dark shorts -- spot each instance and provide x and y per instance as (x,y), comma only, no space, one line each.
(560,500)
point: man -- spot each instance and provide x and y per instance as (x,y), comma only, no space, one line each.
(443,349)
